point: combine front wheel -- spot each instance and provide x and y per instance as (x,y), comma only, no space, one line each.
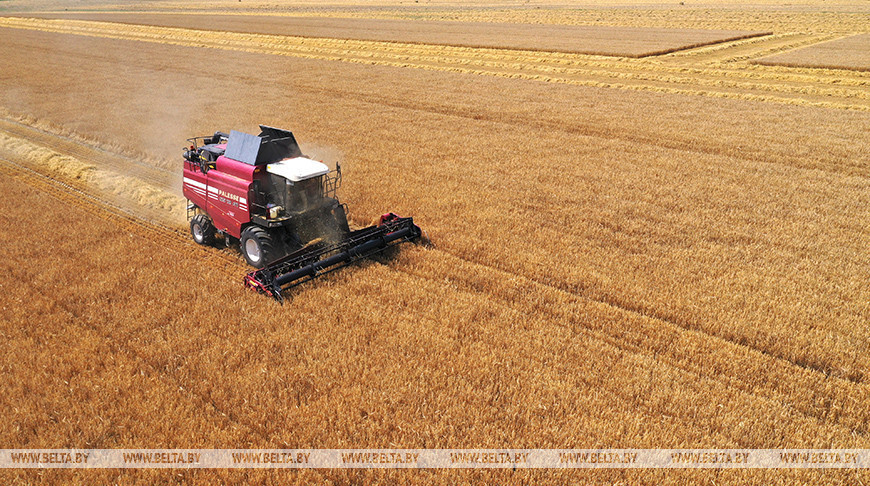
(257,246)
(202,229)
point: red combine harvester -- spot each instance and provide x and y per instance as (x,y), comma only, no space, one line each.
(280,206)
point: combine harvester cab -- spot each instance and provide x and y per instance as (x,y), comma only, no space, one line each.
(280,205)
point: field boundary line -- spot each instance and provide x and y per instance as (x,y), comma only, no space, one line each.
(773,50)
(48,128)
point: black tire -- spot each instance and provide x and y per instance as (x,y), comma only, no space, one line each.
(202,229)
(257,246)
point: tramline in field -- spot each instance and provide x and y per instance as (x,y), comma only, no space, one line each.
(280,205)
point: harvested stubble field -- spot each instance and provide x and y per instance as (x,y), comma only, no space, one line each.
(847,53)
(608,41)
(674,259)
(837,16)
(721,71)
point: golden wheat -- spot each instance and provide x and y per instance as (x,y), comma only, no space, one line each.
(614,268)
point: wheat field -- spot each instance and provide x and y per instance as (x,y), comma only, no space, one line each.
(669,251)
(596,40)
(849,52)
(721,71)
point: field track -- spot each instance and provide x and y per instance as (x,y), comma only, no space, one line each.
(720,71)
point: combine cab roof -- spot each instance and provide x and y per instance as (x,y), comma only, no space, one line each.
(297,169)
(271,145)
